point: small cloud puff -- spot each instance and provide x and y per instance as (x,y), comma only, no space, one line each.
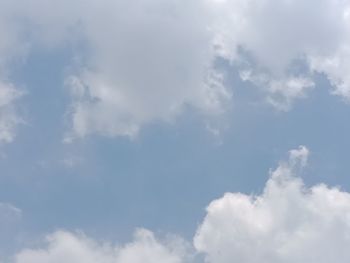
(71,248)
(8,116)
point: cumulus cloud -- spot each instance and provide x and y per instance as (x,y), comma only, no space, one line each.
(144,61)
(141,61)
(72,248)
(336,67)
(152,60)
(271,38)
(288,222)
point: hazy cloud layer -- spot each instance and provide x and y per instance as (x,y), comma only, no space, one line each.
(11,48)
(9,213)
(143,61)
(8,116)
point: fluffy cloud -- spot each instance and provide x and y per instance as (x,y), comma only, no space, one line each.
(157,60)
(144,61)
(336,67)
(288,222)
(151,60)
(141,61)
(72,248)
(274,40)
(281,93)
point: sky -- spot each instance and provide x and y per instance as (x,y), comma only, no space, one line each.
(174,131)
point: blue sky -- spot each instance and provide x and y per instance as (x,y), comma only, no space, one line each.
(139,116)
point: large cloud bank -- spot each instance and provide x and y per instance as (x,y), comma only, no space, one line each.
(144,61)
(288,222)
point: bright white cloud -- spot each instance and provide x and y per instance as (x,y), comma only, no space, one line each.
(71,248)
(288,222)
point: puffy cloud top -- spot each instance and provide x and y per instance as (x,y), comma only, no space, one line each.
(72,248)
(288,222)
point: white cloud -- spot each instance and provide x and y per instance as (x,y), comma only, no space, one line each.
(146,61)
(281,93)
(150,61)
(71,248)
(288,222)
(143,61)
(336,67)
(277,35)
